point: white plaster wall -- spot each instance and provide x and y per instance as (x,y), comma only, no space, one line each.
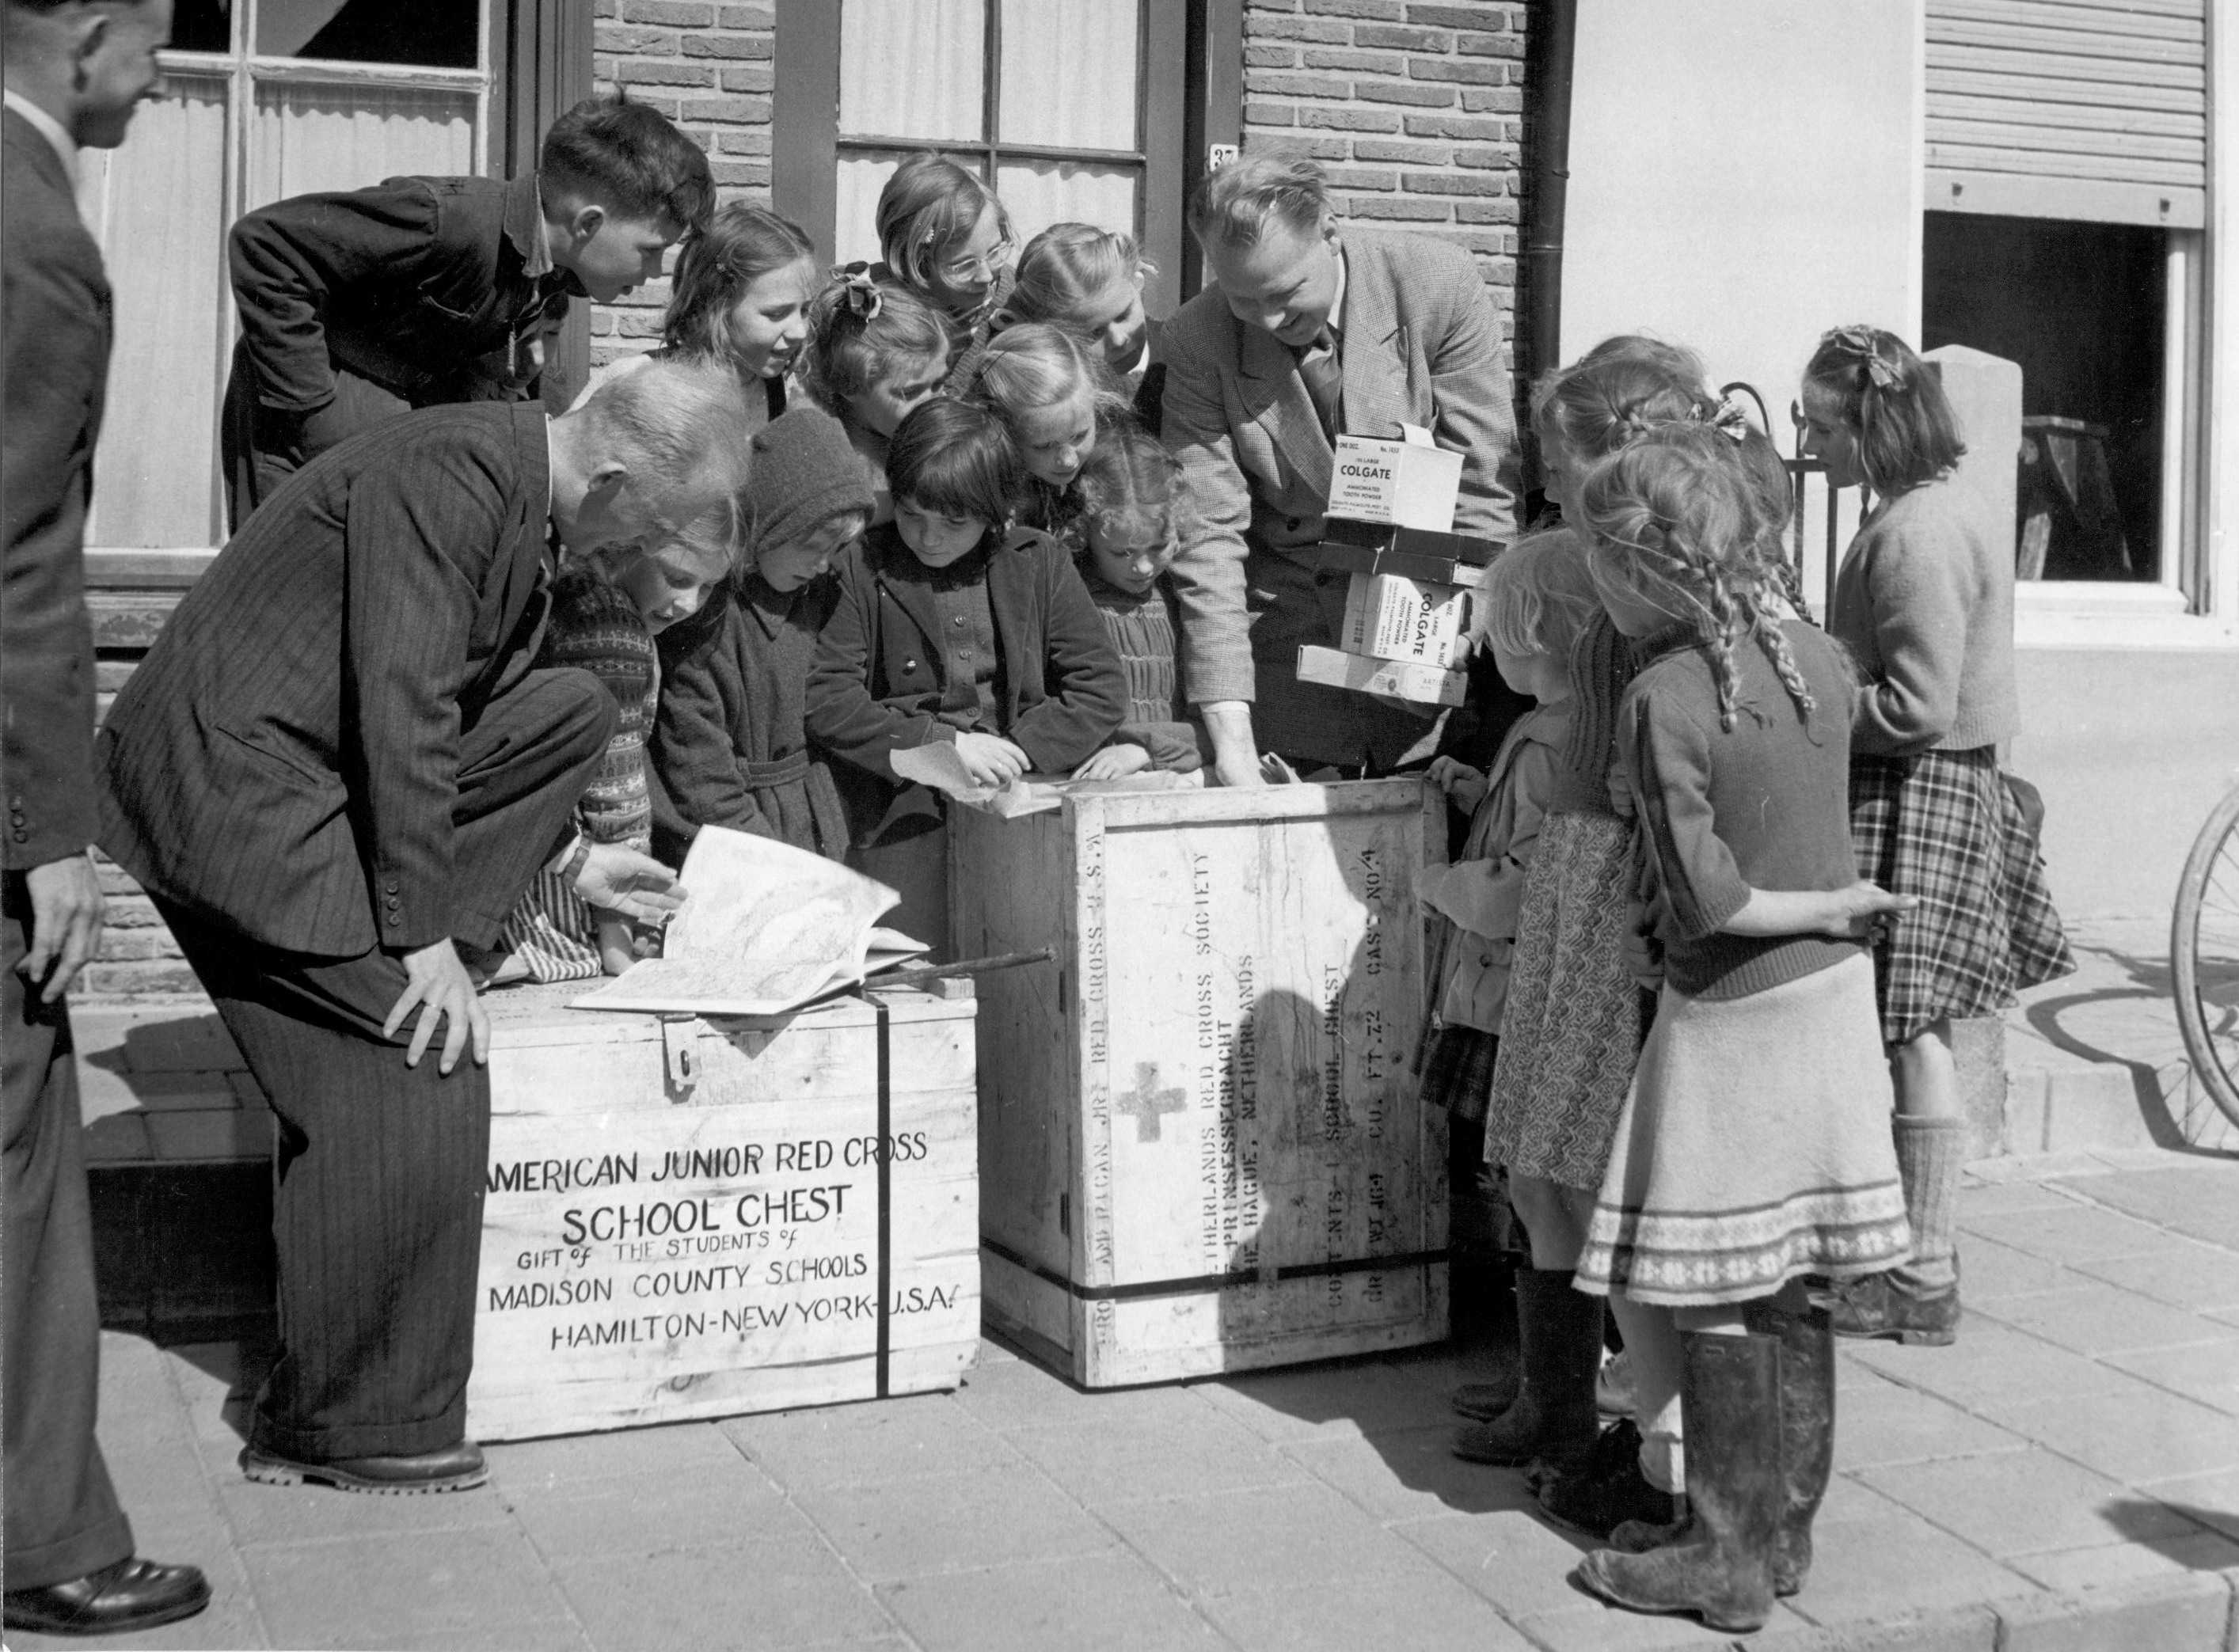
(1746,174)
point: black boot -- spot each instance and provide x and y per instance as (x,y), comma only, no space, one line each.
(1559,1338)
(1721,1567)
(1610,1490)
(1807,1429)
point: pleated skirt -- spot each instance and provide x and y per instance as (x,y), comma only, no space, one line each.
(1753,1148)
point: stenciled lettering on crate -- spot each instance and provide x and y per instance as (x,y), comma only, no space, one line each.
(1203,1149)
(755,1238)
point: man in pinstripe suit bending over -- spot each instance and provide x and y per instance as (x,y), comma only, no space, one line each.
(339,764)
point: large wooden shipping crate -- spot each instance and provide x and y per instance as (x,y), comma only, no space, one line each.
(691,1218)
(1202,1148)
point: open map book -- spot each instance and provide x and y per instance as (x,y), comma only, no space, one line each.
(768,928)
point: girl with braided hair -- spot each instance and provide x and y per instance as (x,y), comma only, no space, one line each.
(1924,602)
(1750,1150)
(1573,1018)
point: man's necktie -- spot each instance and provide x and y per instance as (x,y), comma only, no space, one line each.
(1324,376)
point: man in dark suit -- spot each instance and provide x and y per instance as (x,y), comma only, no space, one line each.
(358,304)
(74,73)
(337,766)
(1310,332)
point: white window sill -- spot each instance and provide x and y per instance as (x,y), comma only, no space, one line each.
(2050,614)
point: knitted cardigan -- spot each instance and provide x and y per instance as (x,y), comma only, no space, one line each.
(1924,602)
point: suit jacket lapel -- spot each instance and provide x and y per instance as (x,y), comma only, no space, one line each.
(1276,395)
(1375,369)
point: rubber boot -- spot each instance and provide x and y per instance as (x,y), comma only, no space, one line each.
(1807,1429)
(1558,1341)
(1917,1303)
(1721,1569)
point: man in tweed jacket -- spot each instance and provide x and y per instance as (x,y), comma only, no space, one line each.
(1391,329)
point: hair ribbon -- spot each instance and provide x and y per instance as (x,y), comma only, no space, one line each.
(1863,343)
(1730,419)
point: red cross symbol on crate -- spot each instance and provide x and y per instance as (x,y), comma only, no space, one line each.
(1145,1103)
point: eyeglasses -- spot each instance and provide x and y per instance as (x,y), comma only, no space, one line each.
(977,266)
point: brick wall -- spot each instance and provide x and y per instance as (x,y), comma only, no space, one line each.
(1416,110)
(709,67)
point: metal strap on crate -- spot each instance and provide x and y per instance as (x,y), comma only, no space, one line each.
(886,1189)
(1197,1283)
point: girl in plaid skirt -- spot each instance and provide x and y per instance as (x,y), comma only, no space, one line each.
(1924,602)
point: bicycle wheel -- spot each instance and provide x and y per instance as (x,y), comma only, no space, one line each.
(2204,956)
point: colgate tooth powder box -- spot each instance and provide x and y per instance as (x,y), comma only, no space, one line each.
(1388,616)
(1408,483)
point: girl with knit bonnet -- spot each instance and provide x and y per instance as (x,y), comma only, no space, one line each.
(730,748)
(1751,1150)
(1924,602)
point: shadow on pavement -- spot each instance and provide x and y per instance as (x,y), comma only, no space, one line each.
(2145,1521)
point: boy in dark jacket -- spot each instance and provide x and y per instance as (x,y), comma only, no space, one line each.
(359,304)
(951,627)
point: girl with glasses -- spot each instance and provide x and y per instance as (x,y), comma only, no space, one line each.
(943,234)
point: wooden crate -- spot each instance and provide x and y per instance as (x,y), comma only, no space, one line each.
(1201,1146)
(691,1218)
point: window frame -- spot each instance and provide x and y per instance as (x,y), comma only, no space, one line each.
(808,144)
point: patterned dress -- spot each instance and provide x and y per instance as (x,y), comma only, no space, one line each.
(1574,1019)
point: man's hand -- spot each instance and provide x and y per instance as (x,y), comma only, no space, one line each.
(617,879)
(1114,763)
(1235,753)
(990,760)
(66,913)
(438,983)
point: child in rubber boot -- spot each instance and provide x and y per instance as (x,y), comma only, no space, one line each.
(1924,602)
(1572,1021)
(1751,1150)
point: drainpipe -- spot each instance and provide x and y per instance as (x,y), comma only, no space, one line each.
(1549,185)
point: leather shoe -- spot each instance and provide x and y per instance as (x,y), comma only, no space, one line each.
(130,1595)
(455,1468)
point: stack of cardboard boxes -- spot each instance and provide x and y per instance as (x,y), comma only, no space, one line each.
(1414,581)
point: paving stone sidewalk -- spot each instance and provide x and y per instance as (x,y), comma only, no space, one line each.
(2065,1476)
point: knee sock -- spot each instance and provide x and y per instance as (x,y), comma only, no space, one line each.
(1651,1339)
(1929,1155)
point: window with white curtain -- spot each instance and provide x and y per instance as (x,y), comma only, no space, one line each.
(269,98)
(1046,98)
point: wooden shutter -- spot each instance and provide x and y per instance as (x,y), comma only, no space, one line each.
(2062,108)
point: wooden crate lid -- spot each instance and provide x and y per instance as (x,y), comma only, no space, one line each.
(538,1015)
(1223,806)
